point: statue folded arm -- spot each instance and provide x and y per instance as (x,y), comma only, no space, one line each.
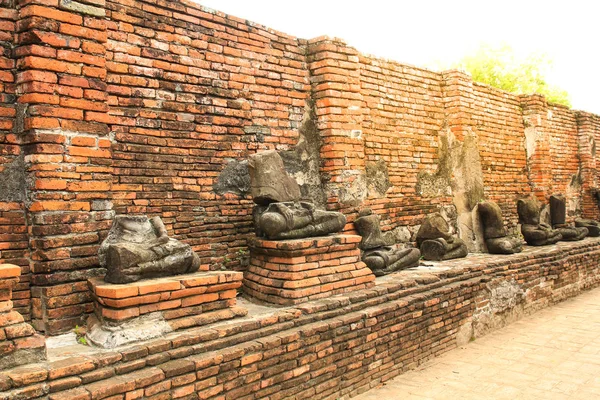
(162,236)
(535,233)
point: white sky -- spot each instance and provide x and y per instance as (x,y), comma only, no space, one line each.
(421,32)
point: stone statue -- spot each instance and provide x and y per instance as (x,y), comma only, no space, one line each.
(139,248)
(381,258)
(435,241)
(558,216)
(592,226)
(496,238)
(279,213)
(534,232)
(295,220)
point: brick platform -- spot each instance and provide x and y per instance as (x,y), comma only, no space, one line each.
(162,305)
(332,348)
(295,271)
(19,344)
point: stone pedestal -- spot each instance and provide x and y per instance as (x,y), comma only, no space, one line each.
(290,272)
(145,309)
(19,343)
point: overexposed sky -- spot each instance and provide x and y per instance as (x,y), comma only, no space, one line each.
(423,32)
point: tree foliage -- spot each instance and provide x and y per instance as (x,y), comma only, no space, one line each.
(502,68)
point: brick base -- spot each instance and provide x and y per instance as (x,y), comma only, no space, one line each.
(161,305)
(19,344)
(295,271)
(58,309)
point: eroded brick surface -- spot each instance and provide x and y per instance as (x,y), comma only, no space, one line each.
(183,301)
(19,343)
(295,271)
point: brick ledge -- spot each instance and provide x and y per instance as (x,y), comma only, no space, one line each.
(195,346)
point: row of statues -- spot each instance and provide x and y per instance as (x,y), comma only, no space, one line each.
(537,233)
(279,214)
(139,248)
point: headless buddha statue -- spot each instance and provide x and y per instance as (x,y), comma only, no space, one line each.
(558,216)
(592,226)
(534,232)
(138,248)
(496,238)
(279,213)
(435,241)
(295,220)
(381,258)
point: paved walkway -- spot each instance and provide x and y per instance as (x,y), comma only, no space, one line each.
(552,354)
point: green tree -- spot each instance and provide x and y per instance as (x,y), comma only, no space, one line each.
(500,67)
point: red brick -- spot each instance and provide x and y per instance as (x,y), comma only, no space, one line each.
(9,271)
(120,315)
(50,13)
(89,152)
(50,184)
(85,33)
(41,123)
(88,186)
(34,62)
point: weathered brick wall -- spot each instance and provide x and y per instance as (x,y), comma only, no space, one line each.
(328,349)
(13,227)
(564,155)
(63,134)
(499,124)
(588,126)
(153,106)
(556,147)
(415,125)
(403,116)
(190,91)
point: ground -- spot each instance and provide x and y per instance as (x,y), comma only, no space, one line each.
(553,354)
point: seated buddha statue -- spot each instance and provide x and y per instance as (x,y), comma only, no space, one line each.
(435,241)
(139,248)
(592,226)
(496,238)
(380,257)
(558,216)
(295,220)
(279,213)
(535,232)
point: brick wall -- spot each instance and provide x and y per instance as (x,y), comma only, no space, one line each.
(564,155)
(190,91)
(499,123)
(13,227)
(588,126)
(60,60)
(403,116)
(153,106)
